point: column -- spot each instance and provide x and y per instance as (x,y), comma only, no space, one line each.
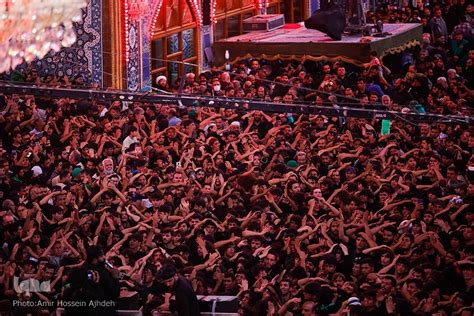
(133,56)
(145,57)
(207,36)
(94,49)
(113,44)
(149,12)
(313,6)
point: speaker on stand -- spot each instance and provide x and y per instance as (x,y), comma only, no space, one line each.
(331,22)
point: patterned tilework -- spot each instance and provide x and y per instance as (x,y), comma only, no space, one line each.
(206,35)
(138,66)
(133,66)
(188,43)
(173,72)
(173,44)
(146,76)
(93,49)
(84,57)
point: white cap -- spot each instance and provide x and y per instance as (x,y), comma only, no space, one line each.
(206,129)
(37,171)
(235,123)
(60,185)
(404,225)
(146,203)
(353,301)
(159,78)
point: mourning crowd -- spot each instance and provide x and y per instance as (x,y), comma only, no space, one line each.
(148,204)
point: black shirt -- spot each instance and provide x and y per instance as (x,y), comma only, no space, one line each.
(186,303)
(81,289)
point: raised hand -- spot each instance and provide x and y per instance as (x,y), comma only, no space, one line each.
(390,305)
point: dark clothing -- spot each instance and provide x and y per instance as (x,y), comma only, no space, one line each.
(439,28)
(82,289)
(145,290)
(186,303)
(452,17)
(401,96)
(262,127)
(374,312)
(451,280)
(280,90)
(460,49)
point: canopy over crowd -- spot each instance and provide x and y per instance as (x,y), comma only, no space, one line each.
(298,214)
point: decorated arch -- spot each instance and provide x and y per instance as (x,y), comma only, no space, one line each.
(140,18)
(136,33)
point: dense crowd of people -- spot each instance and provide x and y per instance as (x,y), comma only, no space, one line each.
(147,204)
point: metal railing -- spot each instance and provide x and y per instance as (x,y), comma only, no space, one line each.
(231,103)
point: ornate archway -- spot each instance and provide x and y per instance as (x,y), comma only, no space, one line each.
(157,4)
(139,22)
(131,29)
(175,31)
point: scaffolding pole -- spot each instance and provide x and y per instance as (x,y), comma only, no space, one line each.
(329,110)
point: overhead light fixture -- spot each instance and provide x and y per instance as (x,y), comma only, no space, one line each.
(30,29)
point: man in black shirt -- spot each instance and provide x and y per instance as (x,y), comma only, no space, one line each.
(185,303)
(92,282)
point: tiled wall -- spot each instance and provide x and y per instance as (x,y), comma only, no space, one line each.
(84,57)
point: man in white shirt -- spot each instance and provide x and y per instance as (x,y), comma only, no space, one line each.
(132,138)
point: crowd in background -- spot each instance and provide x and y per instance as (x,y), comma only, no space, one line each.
(308,215)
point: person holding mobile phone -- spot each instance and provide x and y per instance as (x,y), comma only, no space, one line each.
(95,280)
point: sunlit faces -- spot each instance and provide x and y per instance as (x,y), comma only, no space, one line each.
(295,187)
(368,301)
(167,237)
(284,287)
(270,260)
(177,177)
(361,243)
(288,98)
(317,193)
(348,287)
(307,308)
(255,244)
(386,258)
(366,268)
(334,227)
(254,65)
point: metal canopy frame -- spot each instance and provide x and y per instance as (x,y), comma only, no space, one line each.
(328,110)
